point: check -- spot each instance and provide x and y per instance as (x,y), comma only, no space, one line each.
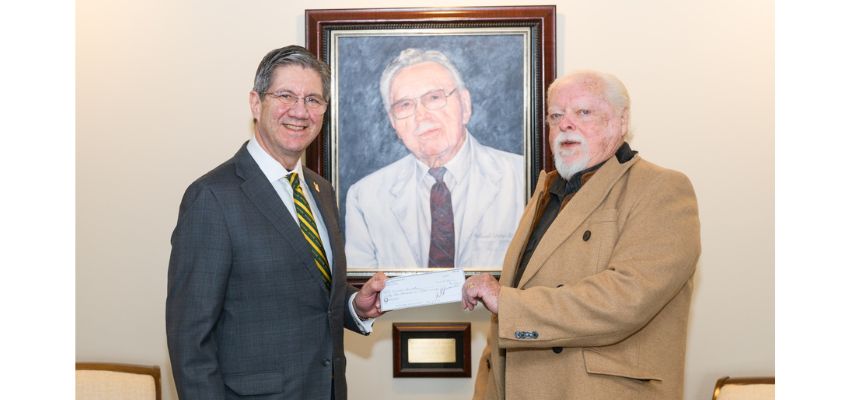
(422,290)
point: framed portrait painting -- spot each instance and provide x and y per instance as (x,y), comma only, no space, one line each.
(435,134)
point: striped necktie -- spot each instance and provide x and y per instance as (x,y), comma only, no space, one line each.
(309,229)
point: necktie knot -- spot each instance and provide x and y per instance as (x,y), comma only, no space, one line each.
(437,173)
(293,180)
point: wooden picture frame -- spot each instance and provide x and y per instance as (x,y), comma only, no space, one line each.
(506,56)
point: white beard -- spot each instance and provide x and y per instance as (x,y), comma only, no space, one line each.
(559,155)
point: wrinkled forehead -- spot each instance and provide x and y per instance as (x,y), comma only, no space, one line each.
(413,79)
(582,83)
(579,90)
(296,78)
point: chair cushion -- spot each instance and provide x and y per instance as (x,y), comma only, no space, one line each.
(103,385)
(747,392)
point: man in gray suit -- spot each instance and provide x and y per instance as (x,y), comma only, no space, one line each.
(257,293)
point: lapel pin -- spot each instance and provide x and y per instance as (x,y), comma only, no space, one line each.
(316,186)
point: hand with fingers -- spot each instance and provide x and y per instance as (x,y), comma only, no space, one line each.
(367,302)
(483,287)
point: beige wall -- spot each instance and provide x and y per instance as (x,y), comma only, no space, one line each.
(162,89)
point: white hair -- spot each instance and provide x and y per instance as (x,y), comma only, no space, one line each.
(411,57)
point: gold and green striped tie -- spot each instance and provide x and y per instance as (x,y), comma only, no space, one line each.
(309,229)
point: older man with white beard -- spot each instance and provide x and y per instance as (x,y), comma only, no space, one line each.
(595,291)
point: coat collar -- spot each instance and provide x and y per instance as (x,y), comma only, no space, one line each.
(574,213)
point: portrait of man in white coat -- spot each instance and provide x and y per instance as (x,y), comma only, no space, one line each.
(452,202)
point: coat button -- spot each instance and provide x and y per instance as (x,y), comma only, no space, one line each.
(533,334)
(557,350)
(586,236)
(519,335)
(326,362)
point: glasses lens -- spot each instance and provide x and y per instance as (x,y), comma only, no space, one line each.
(434,99)
(287,99)
(403,108)
(314,103)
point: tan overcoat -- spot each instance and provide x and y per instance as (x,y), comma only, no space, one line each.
(601,311)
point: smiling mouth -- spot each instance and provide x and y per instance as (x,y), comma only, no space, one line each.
(295,127)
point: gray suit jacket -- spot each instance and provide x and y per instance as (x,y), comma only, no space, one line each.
(247,313)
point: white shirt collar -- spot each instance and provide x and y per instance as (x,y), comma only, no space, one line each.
(457,167)
(272,169)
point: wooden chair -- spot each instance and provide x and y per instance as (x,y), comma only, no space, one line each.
(102,381)
(758,388)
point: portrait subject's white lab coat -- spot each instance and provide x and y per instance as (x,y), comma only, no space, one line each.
(383,224)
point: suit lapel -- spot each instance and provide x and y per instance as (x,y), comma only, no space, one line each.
(517,246)
(402,205)
(575,212)
(326,203)
(484,185)
(258,189)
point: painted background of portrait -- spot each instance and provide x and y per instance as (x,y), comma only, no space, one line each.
(490,65)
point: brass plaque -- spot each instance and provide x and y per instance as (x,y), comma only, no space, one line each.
(431,350)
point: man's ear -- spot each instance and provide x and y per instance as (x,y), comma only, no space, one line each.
(254,102)
(466,104)
(624,123)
